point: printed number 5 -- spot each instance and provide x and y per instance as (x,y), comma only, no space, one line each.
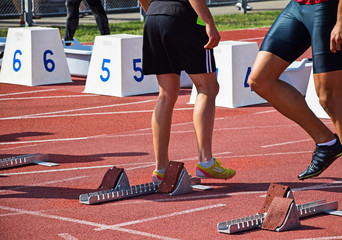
(137,69)
(105,69)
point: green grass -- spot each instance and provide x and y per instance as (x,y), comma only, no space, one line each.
(87,32)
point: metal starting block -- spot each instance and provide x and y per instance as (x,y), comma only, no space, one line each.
(22,160)
(279,212)
(115,185)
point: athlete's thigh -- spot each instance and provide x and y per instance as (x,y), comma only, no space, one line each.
(288,38)
(329,85)
(325,15)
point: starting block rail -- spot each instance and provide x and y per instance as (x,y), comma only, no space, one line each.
(25,160)
(115,185)
(290,214)
(116,194)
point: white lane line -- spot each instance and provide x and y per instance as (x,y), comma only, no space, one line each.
(79,109)
(80,168)
(149,164)
(321,238)
(43,184)
(52,140)
(10,214)
(163,216)
(67,236)
(316,187)
(89,114)
(286,143)
(189,198)
(18,93)
(263,112)
(135,134)
(45,97)
(248,39)
(83,222)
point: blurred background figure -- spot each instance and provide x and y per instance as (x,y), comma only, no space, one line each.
(98,11)
(239,5)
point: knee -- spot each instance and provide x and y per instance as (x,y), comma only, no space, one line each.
(328,104)
(210,91)
(214,90)
(167,100)
(257,84)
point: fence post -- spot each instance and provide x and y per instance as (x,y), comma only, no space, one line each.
(28,12)
(142,14)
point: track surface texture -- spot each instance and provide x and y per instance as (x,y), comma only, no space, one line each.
(88,134)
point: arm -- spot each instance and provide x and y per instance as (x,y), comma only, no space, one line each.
(202,10)
(145,4)
(336,33)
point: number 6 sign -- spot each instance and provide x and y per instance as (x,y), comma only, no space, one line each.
(30,61)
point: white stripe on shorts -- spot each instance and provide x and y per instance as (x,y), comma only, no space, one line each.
(208,60)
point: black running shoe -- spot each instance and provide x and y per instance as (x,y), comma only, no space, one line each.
(322,158)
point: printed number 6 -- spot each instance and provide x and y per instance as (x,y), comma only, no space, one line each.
(105,69)
(16,61)
(137,69)
(47,61)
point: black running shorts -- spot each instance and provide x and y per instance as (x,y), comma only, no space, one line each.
(172,44)
(298,27)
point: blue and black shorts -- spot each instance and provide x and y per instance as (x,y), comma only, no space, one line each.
(300,26)
(172,44)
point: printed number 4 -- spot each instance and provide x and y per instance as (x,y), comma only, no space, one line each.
(246,85)
(105,69)
(138,69)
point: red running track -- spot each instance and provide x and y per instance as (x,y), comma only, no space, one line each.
(87,134)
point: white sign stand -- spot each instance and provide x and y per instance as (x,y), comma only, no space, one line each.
(34,56)
(313,101)
(116,67)
(234,61)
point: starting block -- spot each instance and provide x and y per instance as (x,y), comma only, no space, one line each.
(312,100)
(116,67)
(78,58)
(115,185)
(34,56)
(279,213)
(40,159)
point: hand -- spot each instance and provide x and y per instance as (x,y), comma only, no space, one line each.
(336,38)
(214,36)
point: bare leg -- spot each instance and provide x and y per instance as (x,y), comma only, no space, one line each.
(204,112)
(162,117)
(329,90)
(285,98)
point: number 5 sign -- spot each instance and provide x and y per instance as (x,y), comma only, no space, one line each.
(34,56)
(115,67)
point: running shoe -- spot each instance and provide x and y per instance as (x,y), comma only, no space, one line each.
(157,177)
(215,171)
(239,6)
(322,158)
